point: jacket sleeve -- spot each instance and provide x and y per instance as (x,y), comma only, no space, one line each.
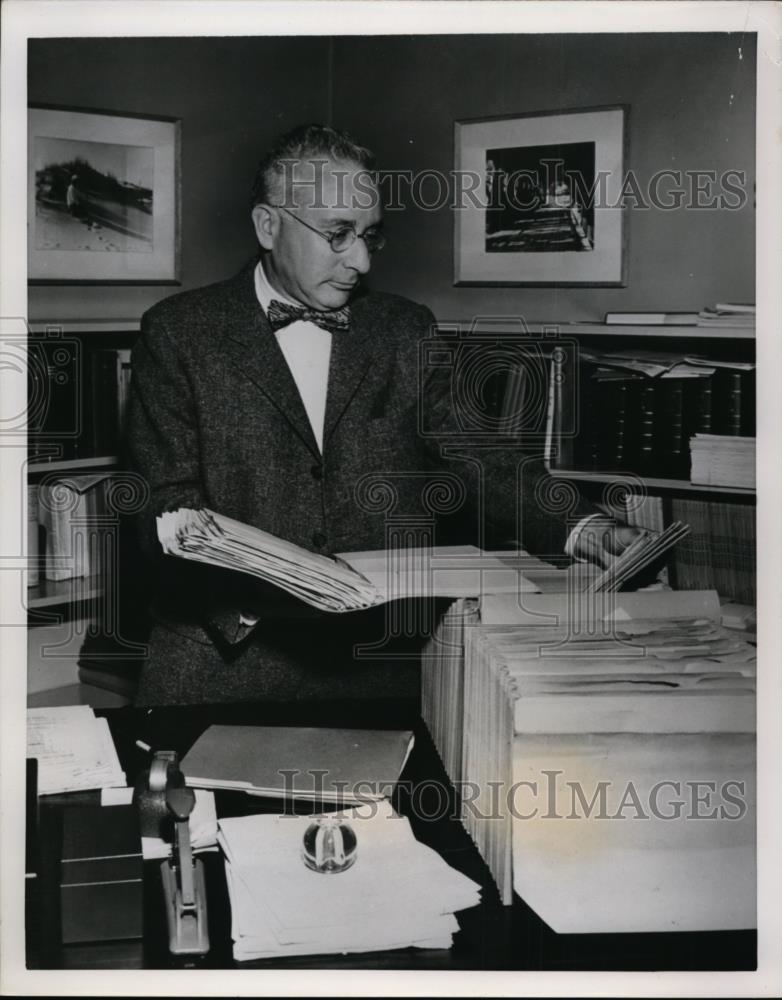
(163,448)
(519,501)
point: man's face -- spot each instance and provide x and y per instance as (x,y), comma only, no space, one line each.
(300,263)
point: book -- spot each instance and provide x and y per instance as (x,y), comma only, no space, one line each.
(33,537)
(109,382)
(735,307)
(651,318)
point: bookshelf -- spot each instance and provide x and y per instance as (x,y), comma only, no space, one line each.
(616,437)
(78,374)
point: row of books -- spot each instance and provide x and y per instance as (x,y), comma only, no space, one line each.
(634,414)
(652,672)
(78,399)
(63,527)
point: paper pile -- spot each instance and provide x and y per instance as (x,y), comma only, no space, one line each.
(723,460)
(398,894)
(74,749)
(349,581)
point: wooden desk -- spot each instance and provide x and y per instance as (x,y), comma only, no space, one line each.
(491,936)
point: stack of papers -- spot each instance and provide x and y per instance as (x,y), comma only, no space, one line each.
(442,687)
(74,750)
(295,762)
(349,581)
(722,460)
(648,676)
(317,580)
(398,894)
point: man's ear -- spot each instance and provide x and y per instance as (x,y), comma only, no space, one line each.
(267,224)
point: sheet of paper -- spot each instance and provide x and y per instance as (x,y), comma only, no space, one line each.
(74,749)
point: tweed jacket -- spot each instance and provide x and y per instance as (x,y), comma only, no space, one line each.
(215,420)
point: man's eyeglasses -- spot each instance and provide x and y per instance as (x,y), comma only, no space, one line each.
(344,238)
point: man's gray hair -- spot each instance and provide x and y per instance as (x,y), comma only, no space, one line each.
(306,142)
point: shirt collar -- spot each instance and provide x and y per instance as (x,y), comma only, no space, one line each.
(264,291)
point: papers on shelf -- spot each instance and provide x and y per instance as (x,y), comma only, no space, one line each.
(316,764)
(348,582)
(398,894)
(74,749)
(722,460)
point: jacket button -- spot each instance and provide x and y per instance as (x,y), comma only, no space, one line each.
(318,539)
(317,471)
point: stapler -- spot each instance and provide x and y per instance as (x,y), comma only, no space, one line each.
(164,800)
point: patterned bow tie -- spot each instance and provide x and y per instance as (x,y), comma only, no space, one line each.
(281,314)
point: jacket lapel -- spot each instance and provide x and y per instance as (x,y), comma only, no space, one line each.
(251,347)
(351,354)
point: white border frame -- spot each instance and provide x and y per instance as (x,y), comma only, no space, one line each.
(161,265)
(604,266)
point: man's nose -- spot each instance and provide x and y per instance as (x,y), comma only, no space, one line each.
(357,257)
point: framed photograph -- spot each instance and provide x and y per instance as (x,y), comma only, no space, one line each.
(103,197)
(545,202)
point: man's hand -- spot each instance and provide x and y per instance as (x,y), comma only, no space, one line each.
(601,539)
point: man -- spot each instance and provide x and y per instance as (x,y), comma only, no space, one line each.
(262,398)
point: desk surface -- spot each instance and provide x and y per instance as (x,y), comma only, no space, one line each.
(491,936)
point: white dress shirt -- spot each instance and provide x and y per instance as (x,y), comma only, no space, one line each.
(307,350)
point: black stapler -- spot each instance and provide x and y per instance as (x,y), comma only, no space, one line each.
(165,802)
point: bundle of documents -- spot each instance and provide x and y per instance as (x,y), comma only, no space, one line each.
(722,460)
(74,750)
(221,541)
(647,548)
(290,762)
(349,581)
(398,894)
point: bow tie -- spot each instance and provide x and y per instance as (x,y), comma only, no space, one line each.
(281,314)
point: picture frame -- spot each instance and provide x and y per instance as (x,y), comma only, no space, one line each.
(548,208)
(103,197)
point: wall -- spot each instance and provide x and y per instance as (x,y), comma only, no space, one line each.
(232,96)
(691,102)
(691,106)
